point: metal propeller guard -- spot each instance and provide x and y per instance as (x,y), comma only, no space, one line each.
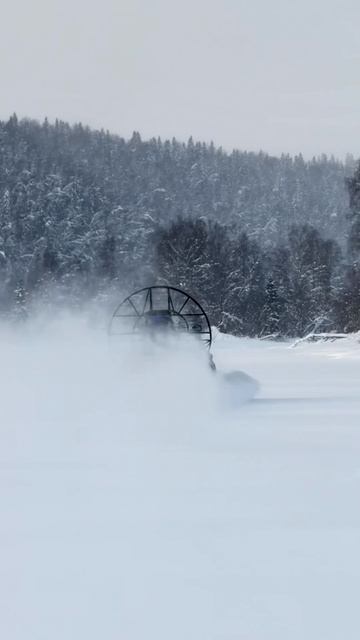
(160,308)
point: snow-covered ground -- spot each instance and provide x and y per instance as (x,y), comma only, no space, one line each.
(136,505)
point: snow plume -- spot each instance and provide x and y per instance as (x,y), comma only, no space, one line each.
(69,375)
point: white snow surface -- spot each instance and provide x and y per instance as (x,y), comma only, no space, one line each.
(135,504)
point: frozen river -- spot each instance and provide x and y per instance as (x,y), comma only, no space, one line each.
(136,505)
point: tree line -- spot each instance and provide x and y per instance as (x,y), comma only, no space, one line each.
(269,245)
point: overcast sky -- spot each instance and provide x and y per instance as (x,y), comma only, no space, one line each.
(276,75)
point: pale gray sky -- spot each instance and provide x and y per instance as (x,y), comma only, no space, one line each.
(278,75)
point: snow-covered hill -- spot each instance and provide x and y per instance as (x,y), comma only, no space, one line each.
(135,506)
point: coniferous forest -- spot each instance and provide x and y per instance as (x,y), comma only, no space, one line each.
(270,245)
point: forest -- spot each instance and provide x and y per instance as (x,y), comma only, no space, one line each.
(270,245)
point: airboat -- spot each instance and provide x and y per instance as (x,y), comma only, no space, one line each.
(160,312)
(160,315)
